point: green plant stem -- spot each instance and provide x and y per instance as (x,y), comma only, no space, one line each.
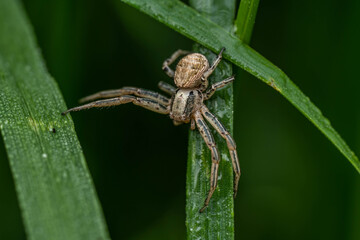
(193,25)
(55,191)
(218,219)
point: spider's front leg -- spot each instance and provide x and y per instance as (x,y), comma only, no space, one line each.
(172,59)
(210,142)
(143,102)
(127,91)
(229,141)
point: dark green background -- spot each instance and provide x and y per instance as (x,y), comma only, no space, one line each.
(295,184)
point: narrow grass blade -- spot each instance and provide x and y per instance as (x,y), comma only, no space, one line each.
(245,19)
(217,222)
(192,24)
(54,187)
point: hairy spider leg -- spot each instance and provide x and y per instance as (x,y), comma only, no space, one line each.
(172,59)
(229,141)
(126,91)
(216,86)
(149,104)
(204,78)
(168,88)
(210,142)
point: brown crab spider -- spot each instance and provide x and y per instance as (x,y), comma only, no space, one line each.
(185,105)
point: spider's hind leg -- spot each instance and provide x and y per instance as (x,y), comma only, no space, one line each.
(218,85)
(214,65)
(207,73)
(170,60)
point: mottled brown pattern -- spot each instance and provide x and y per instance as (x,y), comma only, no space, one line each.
(190,69)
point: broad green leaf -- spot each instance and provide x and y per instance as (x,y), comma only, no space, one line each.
(55,191)
(218,219)
(192,24)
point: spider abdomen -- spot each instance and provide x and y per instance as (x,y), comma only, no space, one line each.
(185,102)
(189,70)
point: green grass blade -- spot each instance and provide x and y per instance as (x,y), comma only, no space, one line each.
(245,19)
(190,23)
(218,219)
(55,191)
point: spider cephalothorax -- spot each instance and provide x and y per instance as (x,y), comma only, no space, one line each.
(186,104)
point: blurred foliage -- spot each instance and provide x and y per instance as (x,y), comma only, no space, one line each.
(56,195)
(293,185)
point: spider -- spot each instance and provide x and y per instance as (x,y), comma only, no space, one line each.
(185,105)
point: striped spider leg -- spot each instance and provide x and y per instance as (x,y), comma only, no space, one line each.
(209,140)
(166,65)
(215,159)
(229,141)
(145,98)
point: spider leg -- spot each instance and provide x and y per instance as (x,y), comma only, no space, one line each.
(126,91)
(230,143)
(218,85)
(170,60)
(204,77)
(210,142)
(214,65)
(143,102)
(168,88)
